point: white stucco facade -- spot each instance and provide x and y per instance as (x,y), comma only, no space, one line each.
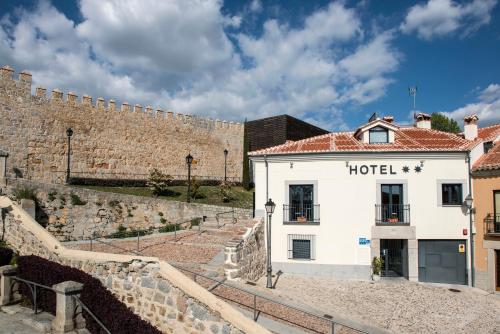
(347,194)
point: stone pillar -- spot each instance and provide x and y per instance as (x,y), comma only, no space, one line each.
(6,295)
(68,311)
(413,260)
(29,206)
(375,248)
(3,166)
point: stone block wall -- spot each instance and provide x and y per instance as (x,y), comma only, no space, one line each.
(103,212)
(246,258)
(141,283)
(108,140)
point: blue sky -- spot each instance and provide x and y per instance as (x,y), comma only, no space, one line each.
(331,63)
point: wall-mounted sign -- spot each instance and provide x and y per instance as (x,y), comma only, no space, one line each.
(464,231)
(461,248)
(363,241)
(372,169)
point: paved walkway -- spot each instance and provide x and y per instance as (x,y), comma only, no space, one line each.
(399,306)
(19,320)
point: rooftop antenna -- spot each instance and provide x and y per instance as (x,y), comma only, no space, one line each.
(412,90)
(373,117)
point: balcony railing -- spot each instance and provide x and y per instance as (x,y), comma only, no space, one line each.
(301,214)
(492,224)
(392,214)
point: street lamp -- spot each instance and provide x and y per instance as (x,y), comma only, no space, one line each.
(468,202)
(269,210)
(69,133)
(189,161)
(225,164)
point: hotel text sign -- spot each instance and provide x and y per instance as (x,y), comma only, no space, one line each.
(372,169)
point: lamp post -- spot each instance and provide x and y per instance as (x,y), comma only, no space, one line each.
(189,161)
(69,133)
(225,164)
(269,210)
(468,203)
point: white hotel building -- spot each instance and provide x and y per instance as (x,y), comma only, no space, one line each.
(383,190)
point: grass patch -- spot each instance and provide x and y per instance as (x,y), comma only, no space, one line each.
(240,197)
(169,228)
(76,200)
(24,192)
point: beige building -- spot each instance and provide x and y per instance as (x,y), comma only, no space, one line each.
(486,188)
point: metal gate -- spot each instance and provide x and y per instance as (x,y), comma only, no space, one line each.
(442,261)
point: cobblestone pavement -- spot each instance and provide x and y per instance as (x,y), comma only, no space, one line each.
(400,306)
(188,247)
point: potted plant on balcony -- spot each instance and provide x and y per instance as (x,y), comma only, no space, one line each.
(301,219)
(393,218)
(376,268)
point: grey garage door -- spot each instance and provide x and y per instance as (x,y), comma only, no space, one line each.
(441,261)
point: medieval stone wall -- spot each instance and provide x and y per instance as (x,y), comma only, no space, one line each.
(109,141)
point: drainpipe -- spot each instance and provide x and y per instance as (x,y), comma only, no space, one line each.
(471,236)
(267,178)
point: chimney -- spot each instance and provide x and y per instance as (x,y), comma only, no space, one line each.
(470,127)
(423,120)
(388,119)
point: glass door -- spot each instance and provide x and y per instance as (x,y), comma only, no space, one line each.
(392,203)
(301,203)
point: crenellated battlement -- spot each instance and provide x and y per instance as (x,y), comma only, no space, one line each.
(109,137)
(24,81)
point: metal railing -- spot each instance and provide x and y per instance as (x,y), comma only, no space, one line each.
(492,224)
(301,214)
(218,216)
(280,311)
(387,214)
(35,289)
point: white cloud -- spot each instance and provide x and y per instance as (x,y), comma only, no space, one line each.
(439,18)
(178,56)
(487,107)
(256,6)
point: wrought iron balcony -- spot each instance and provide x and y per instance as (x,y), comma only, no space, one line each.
(492,224)
(307,214)
(392,214)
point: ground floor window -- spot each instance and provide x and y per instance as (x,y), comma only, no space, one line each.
(301,246)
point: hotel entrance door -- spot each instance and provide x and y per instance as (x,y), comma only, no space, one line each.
(394,255)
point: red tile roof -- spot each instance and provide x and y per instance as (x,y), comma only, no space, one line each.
(490,160)
(489,133)
(406,139)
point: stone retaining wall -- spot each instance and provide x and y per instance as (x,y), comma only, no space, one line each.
(151,288)
(245,258)
(104,212)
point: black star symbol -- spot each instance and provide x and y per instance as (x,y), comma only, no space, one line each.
(418,169)
(406,169)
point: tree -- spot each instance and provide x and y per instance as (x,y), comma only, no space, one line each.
(442,123)
(159,182)
(246,166)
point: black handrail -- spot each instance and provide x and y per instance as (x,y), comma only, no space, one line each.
(392,214)
(33,291)
(301,213)
(492,223)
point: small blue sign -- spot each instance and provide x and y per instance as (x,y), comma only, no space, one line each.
(364,241)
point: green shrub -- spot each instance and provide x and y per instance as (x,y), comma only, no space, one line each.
(62,199)
(160,214)
(52,195)
(76,200)
(195,188)
(163,220)
(169,228)
(159,182)
(195,221)
(122,232)
(225,191)
(376,265)
(25,192)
